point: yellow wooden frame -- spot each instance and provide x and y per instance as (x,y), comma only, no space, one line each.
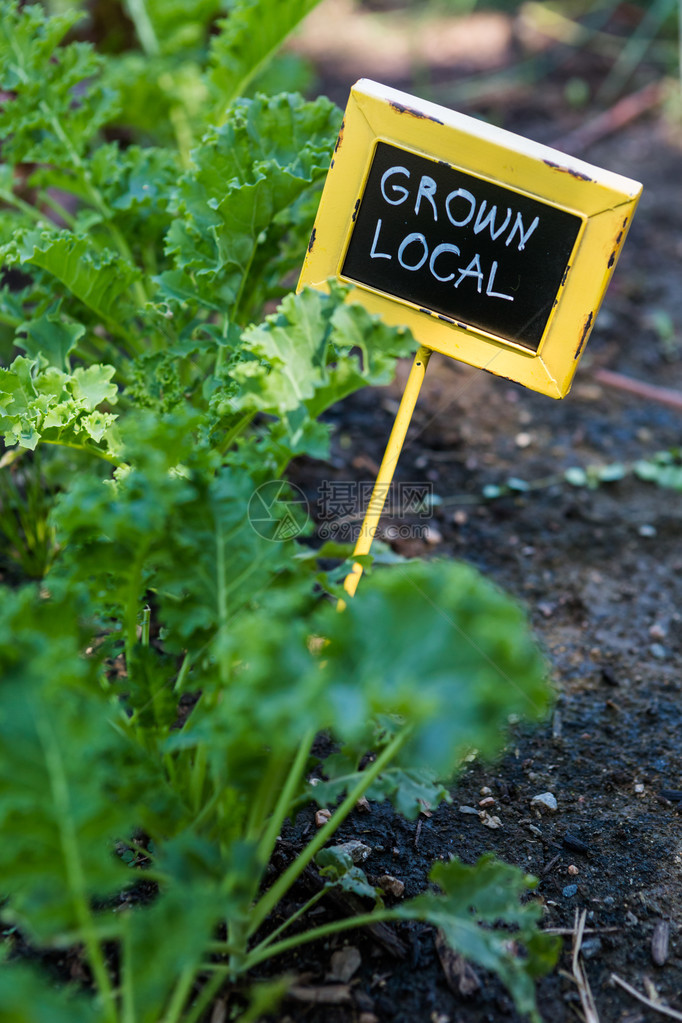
(604,201)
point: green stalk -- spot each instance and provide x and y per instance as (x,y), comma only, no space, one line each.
(198,777)
(126,983)
(13,200)
(273,895)
(183,673)
(60,210)
(180,995)
(208,993)
(286,796)
(73,866)
(146,624)
(131,610)
(82,447)
(265,951)
(144,28)
(312,901)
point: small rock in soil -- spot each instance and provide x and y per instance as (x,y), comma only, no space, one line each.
(575,844)
(572,869)
(545,802)
(591,947)
(569,891)
(488,821)
(392,885)
(608,675)
(468,809)
(321,817)
(433,536)
(344,963)
(357,851)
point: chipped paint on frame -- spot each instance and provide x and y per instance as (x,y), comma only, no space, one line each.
(599,197)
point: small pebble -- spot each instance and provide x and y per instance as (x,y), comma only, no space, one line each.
(392,885)
(639,788)
(591,947)
(433,535)
(545,802)
(609,900)
(572,869)
(469,809)
(485,790)
(357,851)
(523,440)
(647,530)
(658,650)
(321,817)
(460,518)
(658,631)
(488,801)
(488,821)
(569,891)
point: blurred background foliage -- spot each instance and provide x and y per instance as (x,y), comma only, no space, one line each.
(472,54)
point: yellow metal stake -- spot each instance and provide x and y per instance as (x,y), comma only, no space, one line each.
(387,468)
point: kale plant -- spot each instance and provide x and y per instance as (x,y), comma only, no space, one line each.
(165,670)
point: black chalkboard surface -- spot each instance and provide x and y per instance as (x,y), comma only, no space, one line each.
(455,244)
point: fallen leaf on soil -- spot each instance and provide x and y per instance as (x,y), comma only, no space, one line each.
(461,977)
(344,963)
(659,942)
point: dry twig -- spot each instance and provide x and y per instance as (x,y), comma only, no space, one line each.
(661,1007)
(579,976)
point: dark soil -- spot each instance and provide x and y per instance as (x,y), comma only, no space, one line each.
(599,573)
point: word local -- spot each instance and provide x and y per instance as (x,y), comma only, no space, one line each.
(461,209)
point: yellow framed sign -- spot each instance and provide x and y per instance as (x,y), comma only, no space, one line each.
(493,249)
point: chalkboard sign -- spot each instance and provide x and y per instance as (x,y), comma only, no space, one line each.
(459,245)
(491,248)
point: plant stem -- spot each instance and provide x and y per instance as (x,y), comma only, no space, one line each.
(180,995)
(272,896)
(183,673)
(312,901)
(13,200)
(146,624)
(144,29)
(59,209)
(198,777)
(267,842)
(73,865)
(82,447)
(208,993)
(265,951)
